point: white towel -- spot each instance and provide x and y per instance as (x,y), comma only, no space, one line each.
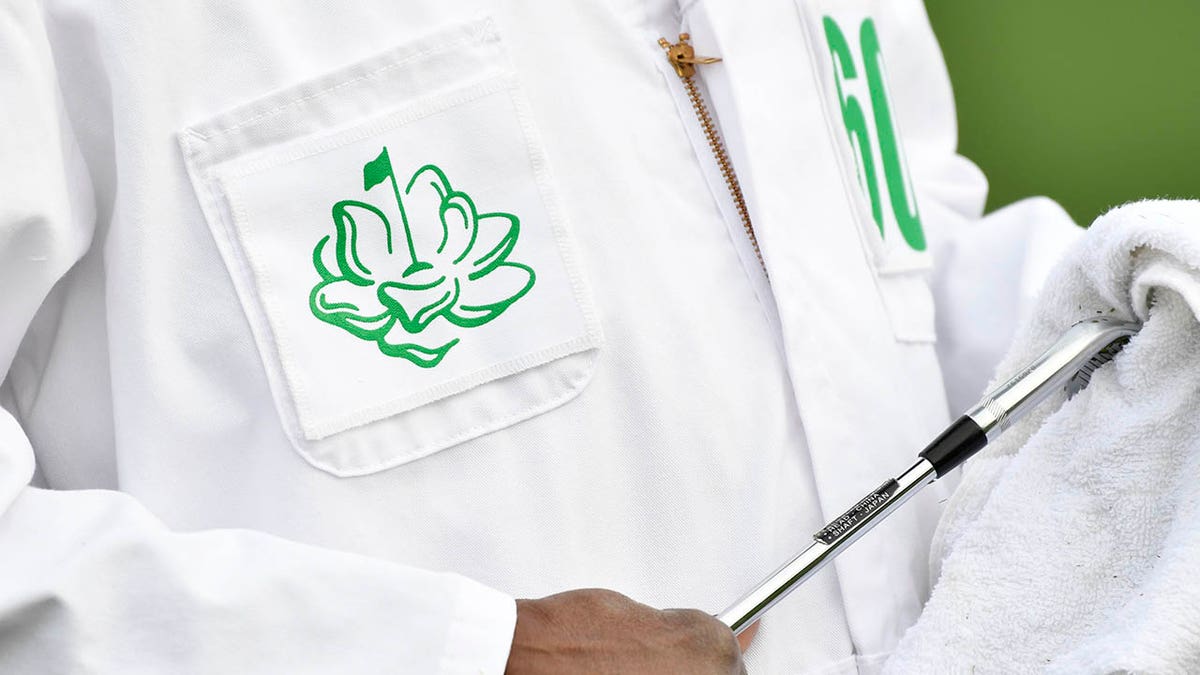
(1072,544)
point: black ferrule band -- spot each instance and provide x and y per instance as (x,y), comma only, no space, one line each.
(955,445)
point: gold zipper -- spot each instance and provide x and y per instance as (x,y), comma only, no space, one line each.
(683,59)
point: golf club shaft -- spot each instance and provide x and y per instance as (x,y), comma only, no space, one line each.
(828,542)
(1070,362)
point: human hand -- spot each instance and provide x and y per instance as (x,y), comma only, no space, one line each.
(599,631)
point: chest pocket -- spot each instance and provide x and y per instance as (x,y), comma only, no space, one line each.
(393,232)
(853,71)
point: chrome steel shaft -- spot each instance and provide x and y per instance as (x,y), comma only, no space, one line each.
(828,542)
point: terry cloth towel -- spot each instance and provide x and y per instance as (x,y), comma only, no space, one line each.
(1072,544)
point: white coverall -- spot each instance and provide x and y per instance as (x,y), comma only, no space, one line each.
(329,328)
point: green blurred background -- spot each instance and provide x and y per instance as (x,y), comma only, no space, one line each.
(1090,103)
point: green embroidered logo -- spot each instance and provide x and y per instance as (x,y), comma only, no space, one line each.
(452,263)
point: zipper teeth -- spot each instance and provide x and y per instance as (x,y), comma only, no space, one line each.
(722,157)
(683,59)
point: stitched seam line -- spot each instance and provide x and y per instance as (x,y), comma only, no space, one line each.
(482,33)
(415,111)
(238,268)
(258,290)
(566,252)
(321,429)
(430,447)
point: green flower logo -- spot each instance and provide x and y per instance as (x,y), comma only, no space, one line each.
(452,263)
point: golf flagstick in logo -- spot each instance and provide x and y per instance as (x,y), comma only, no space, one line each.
(451,262)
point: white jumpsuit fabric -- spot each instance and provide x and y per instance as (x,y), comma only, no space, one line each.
(329,328)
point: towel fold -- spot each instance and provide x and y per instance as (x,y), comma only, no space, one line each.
(1072,544)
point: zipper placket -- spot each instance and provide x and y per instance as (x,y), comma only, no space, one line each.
(683,59)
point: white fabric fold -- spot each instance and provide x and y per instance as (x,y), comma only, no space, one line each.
(1072,542)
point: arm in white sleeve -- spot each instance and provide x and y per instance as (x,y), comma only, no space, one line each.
(90,581)
(987,269)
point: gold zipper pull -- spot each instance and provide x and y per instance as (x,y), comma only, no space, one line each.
(683,56)
(684,60)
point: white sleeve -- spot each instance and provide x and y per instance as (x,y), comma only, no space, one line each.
(90,581)
(987,270)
